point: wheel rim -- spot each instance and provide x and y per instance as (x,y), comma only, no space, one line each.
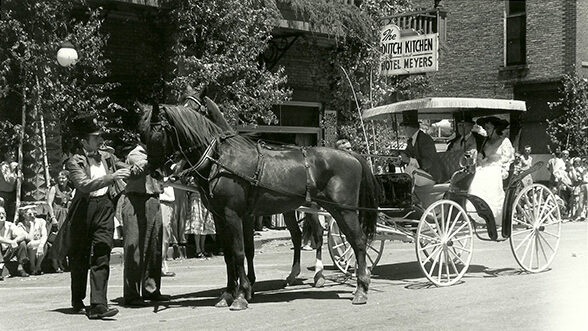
(444,244)
(535,228)
(342,253)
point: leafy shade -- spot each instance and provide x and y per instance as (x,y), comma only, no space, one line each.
(216,47)
(569,129)
(31,33)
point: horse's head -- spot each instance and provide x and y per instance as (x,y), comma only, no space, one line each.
(155,134)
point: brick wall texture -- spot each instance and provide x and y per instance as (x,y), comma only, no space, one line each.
(470,60)
(582,36)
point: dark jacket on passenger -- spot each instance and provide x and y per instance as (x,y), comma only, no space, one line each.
(425,153)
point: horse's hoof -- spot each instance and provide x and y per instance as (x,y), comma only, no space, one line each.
(224,301)
(359,298)
(319,281)
(239,304)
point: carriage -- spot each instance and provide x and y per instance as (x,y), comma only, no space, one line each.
(435,218)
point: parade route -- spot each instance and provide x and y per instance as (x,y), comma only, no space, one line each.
(493,294)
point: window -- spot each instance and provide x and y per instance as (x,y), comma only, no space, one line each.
(516,31)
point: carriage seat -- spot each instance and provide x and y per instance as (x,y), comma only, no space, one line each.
(450,162)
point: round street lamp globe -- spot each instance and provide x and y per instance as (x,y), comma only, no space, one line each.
(67,55)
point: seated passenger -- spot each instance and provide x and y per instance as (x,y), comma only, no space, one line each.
(420,156)
(487,181)
(465,140)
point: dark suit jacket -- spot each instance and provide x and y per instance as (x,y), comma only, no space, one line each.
(79,171)
(425,153)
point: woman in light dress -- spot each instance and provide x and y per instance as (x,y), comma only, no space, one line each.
(490,164)
(36,237)
(201,223)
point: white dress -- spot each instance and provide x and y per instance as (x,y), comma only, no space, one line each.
(487,183)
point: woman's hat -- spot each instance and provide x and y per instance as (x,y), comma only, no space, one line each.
(410,118)
(498,123)
(84,125)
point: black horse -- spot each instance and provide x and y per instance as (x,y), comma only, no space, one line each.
(208,108)
(240,178)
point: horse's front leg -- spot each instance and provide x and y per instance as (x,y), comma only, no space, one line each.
(296,237)
(248,232)
(234,225)
(228,295)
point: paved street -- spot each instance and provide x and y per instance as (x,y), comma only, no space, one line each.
(494,295)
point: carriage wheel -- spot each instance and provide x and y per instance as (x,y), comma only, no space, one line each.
(535,228)
(444,242)
(342,253)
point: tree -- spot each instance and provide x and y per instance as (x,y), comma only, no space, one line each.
(568,129)
(31,32)
(216,46)
(356,32)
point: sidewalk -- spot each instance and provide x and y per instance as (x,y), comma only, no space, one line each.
(260,239)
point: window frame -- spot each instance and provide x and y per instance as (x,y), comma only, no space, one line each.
(523,35)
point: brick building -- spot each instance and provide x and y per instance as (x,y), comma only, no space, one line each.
(511,49)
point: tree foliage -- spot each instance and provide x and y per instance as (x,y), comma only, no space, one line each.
(216,46)
(31,32)
(356,32)
(568,129)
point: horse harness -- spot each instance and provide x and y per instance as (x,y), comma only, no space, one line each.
(200,167)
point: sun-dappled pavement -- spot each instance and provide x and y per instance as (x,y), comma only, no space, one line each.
(495,293)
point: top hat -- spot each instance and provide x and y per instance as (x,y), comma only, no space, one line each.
(84,125)
(464,117)
(410,118)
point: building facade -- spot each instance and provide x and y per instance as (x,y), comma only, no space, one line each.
(512,49)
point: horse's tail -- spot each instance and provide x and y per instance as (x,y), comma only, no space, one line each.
(369,193)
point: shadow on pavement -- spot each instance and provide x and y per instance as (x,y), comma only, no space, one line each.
(66,311)
(265,292)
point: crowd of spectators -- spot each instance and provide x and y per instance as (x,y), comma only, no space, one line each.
(569,181)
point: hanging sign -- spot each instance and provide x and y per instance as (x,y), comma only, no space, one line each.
(407,55)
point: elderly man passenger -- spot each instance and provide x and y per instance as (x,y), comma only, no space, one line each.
(420,156)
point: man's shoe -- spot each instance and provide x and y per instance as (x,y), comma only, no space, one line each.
(168,274)
(100,312)
(158,297)
(135,303)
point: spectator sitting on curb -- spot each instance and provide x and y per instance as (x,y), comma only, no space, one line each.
(12,245)
(36,237)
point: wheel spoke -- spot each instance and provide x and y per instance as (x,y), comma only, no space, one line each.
(339,245)
(442,220)
(455,221)
(542,249)
(440,264)
(435,251)
(457,231)
(523,241)
(520,232)
(532,249)
(435,262)
(461,238)
(551,234)
(463,249)
(436,223)
(446,230)
(453,266)
(370,258)
(430,246)
(545,216)
(547,242)
(447,259)
(526,251)
(459,258)
(431,239)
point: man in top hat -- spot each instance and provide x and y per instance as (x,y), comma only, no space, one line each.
(465,140)
(97,181)
(420,156)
